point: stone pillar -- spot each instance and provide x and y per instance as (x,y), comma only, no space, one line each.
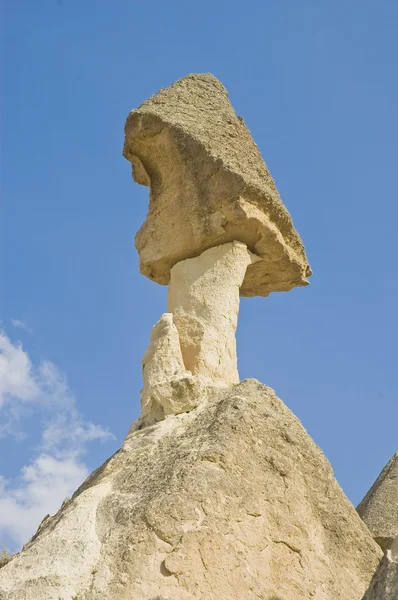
(204,299)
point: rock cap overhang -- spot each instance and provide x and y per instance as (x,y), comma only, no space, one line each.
(208,186)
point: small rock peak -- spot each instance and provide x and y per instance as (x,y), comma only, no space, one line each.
(379,507)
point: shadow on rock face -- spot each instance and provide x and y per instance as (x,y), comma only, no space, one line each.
(384,584)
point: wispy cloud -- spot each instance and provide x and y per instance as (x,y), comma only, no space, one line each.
(21,325)
(39,490)
(17,380)
(57,467)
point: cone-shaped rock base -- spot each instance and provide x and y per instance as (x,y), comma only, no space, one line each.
(230,501)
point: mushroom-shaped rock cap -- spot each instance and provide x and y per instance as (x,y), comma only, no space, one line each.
(209,185)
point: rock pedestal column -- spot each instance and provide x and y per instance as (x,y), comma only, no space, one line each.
(193,346)
(204,300)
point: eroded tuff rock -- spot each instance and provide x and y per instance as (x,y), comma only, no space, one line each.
(168,387)
(384,585)
(379,508)
(193,347)
(231,501)
(208,185)
(204,299)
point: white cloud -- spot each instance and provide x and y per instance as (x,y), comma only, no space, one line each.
(57,467)
(16,377)
(39,490)
(21,325)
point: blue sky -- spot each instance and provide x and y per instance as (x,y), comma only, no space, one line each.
(316,83)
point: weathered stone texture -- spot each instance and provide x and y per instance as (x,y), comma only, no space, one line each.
(209,185)
(384,585)
(379,508)
(232,500)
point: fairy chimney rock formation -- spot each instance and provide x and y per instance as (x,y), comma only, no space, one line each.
(216,229)
(208,186)
(379,508)
(217,492)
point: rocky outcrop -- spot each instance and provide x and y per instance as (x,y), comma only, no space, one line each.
(231,500)
(379,508)
(209,185)
(384,585)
